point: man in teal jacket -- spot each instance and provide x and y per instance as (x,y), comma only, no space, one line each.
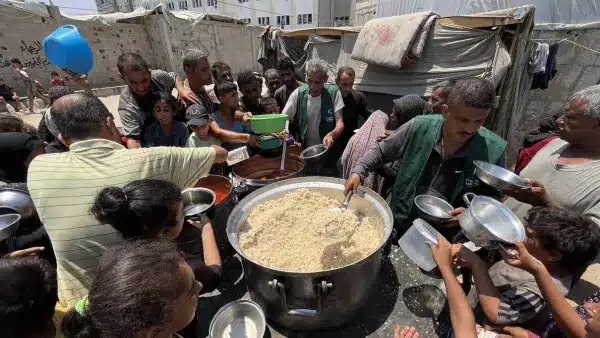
(436,152)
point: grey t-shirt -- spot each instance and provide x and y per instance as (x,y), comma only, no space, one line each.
(574,187)
(136,113)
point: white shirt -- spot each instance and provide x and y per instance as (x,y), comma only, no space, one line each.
(314,114)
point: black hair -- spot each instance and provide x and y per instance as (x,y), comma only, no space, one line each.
(445,86)
(17,61)
(135,286)
(11,123)
(575,237)
(56,92)
(27,297)
(267,101)
(225,87)
(131,62)
(191,57)
(80,116)
(246,78)
(168,98)
(54,73)
(347,70)
(219,67)
(141,209)
(473,92)
(285,63)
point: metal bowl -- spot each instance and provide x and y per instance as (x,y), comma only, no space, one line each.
(8,225)
(432,208)
(16,202)
(314,152)
(499,177)
(240,318)
(197,201)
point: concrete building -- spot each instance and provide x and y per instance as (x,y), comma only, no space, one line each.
(288,14)
(363,11)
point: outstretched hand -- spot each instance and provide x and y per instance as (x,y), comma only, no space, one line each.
(521,258)
(405,332)
(536,195)
(442,253)
(25,252)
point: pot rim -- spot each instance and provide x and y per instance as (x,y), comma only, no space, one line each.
(237,214)
(219,177)
(261,183)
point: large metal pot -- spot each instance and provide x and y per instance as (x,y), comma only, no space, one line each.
(488,223)
(16,202)
(327,298)
(254,173)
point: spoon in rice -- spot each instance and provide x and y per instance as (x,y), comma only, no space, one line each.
(344,206)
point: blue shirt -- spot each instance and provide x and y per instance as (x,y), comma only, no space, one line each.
(237,126)
(154,136)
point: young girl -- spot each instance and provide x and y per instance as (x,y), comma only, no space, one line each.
(142,289)
(165,131)
(151,209)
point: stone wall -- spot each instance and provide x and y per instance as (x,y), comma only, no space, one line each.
(577,67)
(159,42)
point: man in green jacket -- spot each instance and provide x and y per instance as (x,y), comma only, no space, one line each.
(436,152)
(315,109)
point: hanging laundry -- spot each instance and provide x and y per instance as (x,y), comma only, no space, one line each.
(541,80)
(538,58)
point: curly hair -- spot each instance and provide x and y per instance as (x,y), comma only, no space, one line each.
(575,237)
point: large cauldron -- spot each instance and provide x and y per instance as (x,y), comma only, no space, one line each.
(252,172)
(321,299)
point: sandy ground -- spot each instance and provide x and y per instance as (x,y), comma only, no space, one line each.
(111,102)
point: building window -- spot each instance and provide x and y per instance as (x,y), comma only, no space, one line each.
(309,18)
(283,20)
(183,5)
(299,19)
(213,3)
(196,3)
(171,6)
(242,1)
(264,20)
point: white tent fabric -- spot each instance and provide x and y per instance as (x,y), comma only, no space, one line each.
(451,52)
(547,11)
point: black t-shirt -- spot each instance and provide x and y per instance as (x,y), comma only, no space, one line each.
(6,92)
(355,105)
(15,148)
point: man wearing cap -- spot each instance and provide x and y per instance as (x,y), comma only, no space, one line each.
(206,132)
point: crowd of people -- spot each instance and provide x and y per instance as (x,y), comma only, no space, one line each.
(98,257)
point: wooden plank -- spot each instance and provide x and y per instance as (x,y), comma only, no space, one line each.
(322,31)
(478,21)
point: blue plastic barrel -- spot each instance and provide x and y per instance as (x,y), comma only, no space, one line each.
(66,48)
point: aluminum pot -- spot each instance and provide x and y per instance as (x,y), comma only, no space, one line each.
(17,202)
(328,298)
(488,223)
(254,172)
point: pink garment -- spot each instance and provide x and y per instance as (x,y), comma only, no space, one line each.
(364,139)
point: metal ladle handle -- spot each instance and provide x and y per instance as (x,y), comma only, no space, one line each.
(344,205)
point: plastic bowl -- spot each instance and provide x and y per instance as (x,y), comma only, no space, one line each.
(268,123)
(66,48)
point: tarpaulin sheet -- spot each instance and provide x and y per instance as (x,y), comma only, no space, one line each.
(554,11)
(452,52)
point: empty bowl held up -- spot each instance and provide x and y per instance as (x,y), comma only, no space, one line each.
(498,177)
(433,209)
(240,318)
(198,201)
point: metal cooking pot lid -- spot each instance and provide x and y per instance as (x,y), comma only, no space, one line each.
(497,219)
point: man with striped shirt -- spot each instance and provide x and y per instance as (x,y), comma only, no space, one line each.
(64,185)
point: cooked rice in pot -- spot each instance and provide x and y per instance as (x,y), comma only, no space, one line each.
(298,232)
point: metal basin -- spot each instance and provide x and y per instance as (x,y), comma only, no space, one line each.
(314,152)
(16,202)
(487,222)
(433,209)
(240,318)
(256,172)
(8,225)
(499,177)
(327,298)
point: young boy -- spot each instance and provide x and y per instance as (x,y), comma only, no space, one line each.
(269,105)
(56,80)
(250,87)
(199,121)
(508,296)
(28,82)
